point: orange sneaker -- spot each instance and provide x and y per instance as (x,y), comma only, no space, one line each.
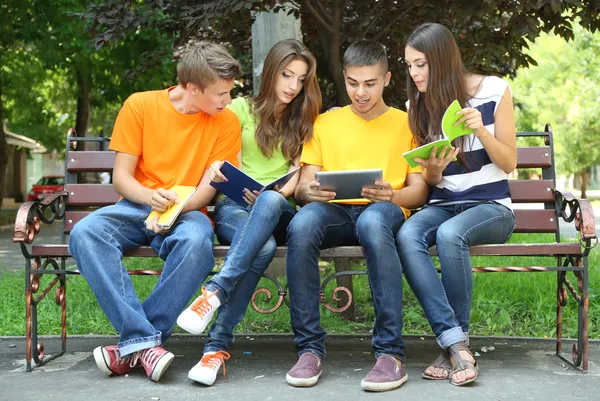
(199,314)
(206,370)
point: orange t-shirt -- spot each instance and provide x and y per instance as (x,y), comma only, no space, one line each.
(174,148)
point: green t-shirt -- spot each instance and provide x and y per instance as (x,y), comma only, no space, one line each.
(254,163)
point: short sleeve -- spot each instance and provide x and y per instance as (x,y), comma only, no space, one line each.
(241,109)
(228,143)
(312,152)
(128,130)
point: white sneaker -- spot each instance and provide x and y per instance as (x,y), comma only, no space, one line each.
(206,370)
(199,314)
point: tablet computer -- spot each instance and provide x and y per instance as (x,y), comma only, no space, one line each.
(348,184)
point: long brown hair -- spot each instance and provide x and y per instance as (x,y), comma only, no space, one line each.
(445,82)
(295,124)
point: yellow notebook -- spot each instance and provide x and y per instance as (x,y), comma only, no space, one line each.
(168,217)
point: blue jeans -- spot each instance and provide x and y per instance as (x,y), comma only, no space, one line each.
(453,229)
(97,243)
(253,233)
(325,225)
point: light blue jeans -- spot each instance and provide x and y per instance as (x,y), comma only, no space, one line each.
(253,233)
(325,225)
(453,229)
(97,243)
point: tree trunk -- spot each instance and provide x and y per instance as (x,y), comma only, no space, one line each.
(584,181)
(3,148)
(331,40)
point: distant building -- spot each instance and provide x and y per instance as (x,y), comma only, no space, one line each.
(28,161)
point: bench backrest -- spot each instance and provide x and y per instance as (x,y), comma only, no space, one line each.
(85,197)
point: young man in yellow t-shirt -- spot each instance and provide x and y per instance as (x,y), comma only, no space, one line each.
(161,139)
(367,134)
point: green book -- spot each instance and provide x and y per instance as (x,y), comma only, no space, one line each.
(449,131)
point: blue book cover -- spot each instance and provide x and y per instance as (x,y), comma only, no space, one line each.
(238,180)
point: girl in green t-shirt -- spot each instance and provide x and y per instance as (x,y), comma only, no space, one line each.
(275,124)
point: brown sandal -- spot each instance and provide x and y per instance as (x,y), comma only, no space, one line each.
(459,363)
(443,362)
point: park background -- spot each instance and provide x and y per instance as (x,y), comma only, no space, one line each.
(69,63)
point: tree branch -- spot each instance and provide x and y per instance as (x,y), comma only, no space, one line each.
(326,15)
(392,22)
(380,10)
(324,24)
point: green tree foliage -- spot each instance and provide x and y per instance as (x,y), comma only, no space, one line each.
(491,33)
(564,90)
(51,79)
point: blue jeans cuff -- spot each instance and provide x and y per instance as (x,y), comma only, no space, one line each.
(212,286)
(137,344)
(304,351)
(449,337)
(395,356)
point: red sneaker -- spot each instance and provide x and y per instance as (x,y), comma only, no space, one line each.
(155,361)
(110,363)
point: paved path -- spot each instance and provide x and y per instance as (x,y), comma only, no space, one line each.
(516,369)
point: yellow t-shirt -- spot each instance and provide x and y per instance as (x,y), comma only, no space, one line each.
(344,141)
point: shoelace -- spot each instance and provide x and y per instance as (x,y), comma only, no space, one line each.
(214,360)
(148,356)
(129,359)
(201,305)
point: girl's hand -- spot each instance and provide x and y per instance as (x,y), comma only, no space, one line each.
(250,196)
(435,165)
(472,119)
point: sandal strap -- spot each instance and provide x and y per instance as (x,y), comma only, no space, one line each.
(457,360)
(442,361)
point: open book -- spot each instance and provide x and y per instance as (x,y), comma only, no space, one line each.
(450,132)
(238,180)
(168,217)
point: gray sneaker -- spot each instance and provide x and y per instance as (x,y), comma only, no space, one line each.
(389,373)
(306,371)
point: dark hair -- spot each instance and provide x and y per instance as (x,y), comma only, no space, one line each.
(295,124)
(445,83)
(366,52)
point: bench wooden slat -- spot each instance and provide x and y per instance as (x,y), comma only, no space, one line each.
(547,249)
(79,161)
(531,191)
(534,157)
(535,221)
(526,220)
(91,194)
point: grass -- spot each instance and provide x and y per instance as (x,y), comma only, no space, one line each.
(7,217)
(511,304)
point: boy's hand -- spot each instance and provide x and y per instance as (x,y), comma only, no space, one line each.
(214,172)
(152,225)
(163,199)
(384,194)
(312,193)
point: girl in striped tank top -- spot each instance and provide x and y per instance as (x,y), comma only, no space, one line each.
(469,202)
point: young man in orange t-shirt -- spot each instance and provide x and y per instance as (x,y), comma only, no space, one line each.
(161,139)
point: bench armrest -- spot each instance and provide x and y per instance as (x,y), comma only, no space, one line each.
(31,214)
(570,208)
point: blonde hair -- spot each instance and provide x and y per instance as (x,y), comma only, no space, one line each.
(295,124)
(204,63)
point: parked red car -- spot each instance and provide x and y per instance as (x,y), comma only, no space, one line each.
(46,186)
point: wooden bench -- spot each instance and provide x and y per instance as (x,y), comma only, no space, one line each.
(79,199)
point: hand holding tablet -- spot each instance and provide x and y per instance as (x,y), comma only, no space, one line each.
(348,184)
